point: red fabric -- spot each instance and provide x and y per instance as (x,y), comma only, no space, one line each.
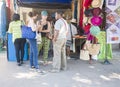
(87,3)
(8,9)
(81,14)
(87,28)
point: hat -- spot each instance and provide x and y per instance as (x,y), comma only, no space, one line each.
(96,11)
(44,13)
(73,20)
(94,30)
(87,3)
(96,20)
(88,13)
(96,3)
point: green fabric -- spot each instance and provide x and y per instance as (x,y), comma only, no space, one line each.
(45,44)
(106,49)
(15,29)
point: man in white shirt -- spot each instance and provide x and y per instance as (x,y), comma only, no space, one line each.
(59,43)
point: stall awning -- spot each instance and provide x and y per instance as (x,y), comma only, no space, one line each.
(48,4)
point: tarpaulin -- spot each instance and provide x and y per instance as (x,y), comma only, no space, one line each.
(58,4)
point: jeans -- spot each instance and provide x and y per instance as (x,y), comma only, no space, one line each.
(33,53)
(19,48)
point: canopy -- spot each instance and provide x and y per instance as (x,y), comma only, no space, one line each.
(50,4)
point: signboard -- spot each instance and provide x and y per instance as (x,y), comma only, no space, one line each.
(113,21)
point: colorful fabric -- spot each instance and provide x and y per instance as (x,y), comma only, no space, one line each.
(45,45)
(106,49)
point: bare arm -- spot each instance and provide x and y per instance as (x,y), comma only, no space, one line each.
(56,33)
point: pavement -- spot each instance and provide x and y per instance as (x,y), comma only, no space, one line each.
(79,74)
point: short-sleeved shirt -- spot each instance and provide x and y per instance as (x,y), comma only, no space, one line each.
(15,29)
(62,26)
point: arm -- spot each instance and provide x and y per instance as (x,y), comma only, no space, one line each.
(56,33)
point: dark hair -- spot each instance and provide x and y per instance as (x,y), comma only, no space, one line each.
(34,13)
(60,12)
(30,14)
(16,17)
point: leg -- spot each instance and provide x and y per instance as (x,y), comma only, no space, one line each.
(46,46)
(31,53)
(63,56)
(57,55)
(68,51)
(35,53)
(40,45)
(23,41)
(17,49)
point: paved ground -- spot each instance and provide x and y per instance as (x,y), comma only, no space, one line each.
(79,74)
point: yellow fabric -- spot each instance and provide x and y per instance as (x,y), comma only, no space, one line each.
(15,29)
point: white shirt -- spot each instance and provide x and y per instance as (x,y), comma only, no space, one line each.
(73,29)
(62,26)
(32,24)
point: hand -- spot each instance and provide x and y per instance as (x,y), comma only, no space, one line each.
(54,40)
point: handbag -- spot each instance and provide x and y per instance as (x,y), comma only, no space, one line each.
(93,48)
(27,32)
(84,54)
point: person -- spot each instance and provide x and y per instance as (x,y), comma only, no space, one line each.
(19,42)
(59,43)
(33,43)
(45,28)
(72,31)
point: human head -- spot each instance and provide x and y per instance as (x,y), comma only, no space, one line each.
(34,15)
(30,14)
(58,14)
(16,17)
(44,14)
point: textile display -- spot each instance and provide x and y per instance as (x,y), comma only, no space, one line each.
(94,30)
(3,21)
(96,20)
(105,49)
(113,21)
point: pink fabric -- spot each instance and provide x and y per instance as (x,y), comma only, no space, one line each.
(90,37)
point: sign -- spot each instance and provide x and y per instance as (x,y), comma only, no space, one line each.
(113,21)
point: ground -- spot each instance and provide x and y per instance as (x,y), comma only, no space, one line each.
(79,74)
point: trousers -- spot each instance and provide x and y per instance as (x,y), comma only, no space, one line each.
(59,59)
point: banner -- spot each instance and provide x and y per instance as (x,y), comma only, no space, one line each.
(113,21)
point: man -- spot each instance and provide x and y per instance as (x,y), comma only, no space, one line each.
(59,43)
(72,31)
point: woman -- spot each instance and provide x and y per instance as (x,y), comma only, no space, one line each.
(33,43)
(45,28)
(19,42)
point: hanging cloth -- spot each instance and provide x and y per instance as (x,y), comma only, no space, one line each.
(81,13)
(105,49)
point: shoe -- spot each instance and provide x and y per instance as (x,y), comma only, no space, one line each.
(68,57)
(45,63)
(54,71)
(32,68)
(19,64)
(40,71)
(22,62)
